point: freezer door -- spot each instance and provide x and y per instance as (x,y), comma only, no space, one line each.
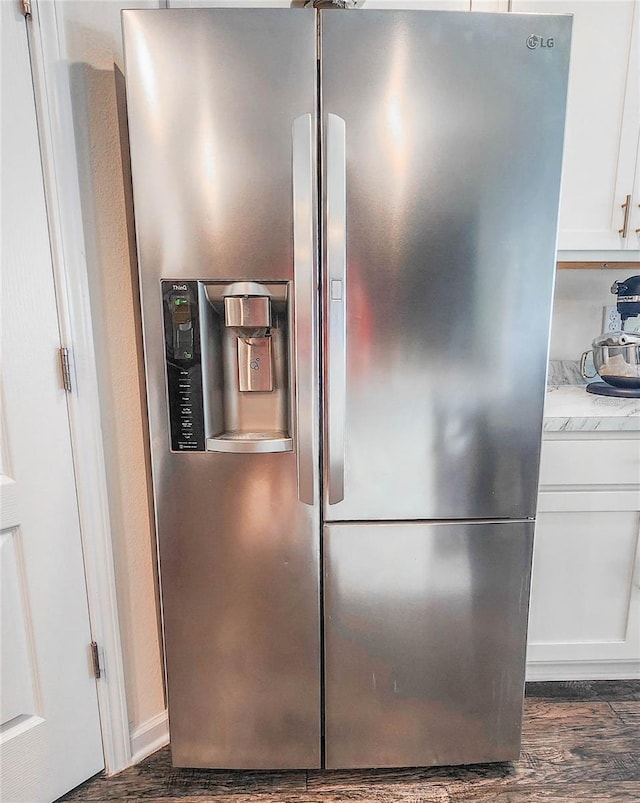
(221,106)
(425,642)
(442,152)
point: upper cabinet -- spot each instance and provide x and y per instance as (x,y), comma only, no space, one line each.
(600,208)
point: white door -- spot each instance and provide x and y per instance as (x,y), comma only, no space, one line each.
(50,731)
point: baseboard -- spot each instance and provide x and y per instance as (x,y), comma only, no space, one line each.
(149,737)
(583,670)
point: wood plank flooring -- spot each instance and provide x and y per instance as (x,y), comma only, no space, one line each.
(581,742)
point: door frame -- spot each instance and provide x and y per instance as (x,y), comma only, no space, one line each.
(64,213)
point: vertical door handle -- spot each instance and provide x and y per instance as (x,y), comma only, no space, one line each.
(304,299)
(336,239)
(625,223)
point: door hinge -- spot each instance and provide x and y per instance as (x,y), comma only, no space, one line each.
(95,660)
(25,8)
(65,367)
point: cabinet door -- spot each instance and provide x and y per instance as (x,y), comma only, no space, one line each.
(633,240)
(585,598)
(602,121)
(628,188)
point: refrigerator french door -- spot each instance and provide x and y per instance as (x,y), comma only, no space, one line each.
(346,229)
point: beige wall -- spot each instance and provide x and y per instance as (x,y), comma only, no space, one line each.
(94,52)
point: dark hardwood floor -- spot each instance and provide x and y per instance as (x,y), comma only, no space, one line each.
(581,742)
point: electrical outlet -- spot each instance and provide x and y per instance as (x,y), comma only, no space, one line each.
(610,320)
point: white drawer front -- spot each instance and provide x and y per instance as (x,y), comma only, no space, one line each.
(590,462)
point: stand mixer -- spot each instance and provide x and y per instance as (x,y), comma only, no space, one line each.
(616,355)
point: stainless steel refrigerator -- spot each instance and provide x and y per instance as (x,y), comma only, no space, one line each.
(346,226)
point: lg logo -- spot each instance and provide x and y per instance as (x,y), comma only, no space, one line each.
(535,41)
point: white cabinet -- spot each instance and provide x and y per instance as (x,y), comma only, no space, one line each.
(601,158)
(585,600)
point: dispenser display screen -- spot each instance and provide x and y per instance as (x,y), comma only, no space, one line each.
(184,365)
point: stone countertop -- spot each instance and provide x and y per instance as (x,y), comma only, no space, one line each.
(569,408)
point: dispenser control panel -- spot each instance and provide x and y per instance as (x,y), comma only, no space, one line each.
(184,365)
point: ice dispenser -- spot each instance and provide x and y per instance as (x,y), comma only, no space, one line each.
(227,348)
(250,316)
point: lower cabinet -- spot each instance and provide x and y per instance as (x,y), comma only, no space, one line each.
(584,620)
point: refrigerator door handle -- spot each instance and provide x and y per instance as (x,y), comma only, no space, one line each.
(336,234)
(304,304)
